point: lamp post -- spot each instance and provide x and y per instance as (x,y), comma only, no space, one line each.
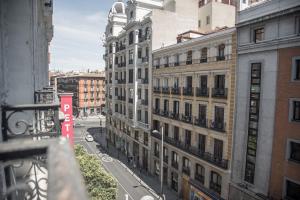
(161,160)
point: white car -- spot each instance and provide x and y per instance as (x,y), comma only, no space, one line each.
(89,138)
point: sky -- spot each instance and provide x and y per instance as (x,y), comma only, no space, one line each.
(79,26)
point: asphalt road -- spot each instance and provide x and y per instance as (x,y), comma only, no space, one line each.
(129,188)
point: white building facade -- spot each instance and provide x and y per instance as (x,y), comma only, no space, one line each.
(133,31)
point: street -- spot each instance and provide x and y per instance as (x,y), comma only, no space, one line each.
(130,185)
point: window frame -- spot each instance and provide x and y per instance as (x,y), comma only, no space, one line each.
(294,69)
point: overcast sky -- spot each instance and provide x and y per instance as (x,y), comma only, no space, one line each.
(78,29)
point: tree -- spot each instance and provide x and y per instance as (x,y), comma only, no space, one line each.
(99,183)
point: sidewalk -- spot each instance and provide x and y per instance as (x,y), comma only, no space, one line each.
(145,178)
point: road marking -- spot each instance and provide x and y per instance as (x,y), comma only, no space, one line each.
(111,173)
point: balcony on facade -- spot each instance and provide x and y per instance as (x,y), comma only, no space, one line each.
(130,61)
(145,59)
(156,89)
(165,90)
(175,91)
(144,102)
(202,92)
(145,81)
(174,164)
(206,156)
(215,187)
(186,118)
(220,93)
(201,122)
(186,170)
(199,178)
(188,91)
(218,126)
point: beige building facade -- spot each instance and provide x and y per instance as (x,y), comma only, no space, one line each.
(193,101)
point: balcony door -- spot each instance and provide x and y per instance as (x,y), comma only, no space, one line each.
(218,149)
(219,117)
(188,109)
(189,82)
(203,82)
(202,112)
(176,107)
(166,105)
(220,81)
(188,137)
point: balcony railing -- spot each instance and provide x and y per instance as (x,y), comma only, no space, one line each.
(186,170)
(220,58)
(144,102)
(130,100)
(187,119)
(219,92)
(145,81)
(206,156)
(156,89)
(218,126)
(165,90)
(188,91)
(175,90)
(215,187)
(166,159)
(202,122)
(199,178)
(145,59)
(174,164)
(202,92)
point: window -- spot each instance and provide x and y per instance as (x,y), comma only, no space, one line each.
(259,34)
(176,60)
(296,69)
(188,109)
(139,73)
(130,76)
(296,111)
(188,138)
(130,38)
(294,153)
(146,139)
(176,82)
(186,165)
(176,107)
(202,112)
(200,173)
(201,143)
(201,3)
(139,115)
(156,149)
(139,53)
(176,133)
(203,82)
(174,157)
(166,105)
(218,149)
(297,23)
(131,14)
(219,114)
(131,57)
(203,55)
(166,130)
(221,52)
(220,81)
(215,182)
(139,93)
(292,190)
(207,20)
(189,57)
(199,23)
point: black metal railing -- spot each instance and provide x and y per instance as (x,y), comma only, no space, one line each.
(186,118)
(156,89)
(145,102)
(199,178)
(145,81)
(219,92)
(218,126)
(165,90)
(186,170)
(32,170)
(174,164)
(188,91)
(175,90)
(215,187)
(145,59)
(202,122)
(209,157)
(202,92)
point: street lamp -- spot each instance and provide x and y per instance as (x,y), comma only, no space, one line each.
(161,160)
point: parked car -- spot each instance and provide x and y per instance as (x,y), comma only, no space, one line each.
(89,138)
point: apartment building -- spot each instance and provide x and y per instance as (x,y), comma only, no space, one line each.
(266,133)
(88,91)
(133,31)
(193,100)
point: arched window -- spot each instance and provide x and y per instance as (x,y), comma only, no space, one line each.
(130,38)
(203,55)
(221,52)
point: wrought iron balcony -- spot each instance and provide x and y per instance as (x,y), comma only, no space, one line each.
(174,164)
(186,118)
(165,90)
(219,92)
(145,59)
(164,113)
(173,115)
(199,178)
(215,187)
(218,126)
(175,90)
(186,170)
(188,91)
(44,169)
(145,81)
(202,122)
(202,92)
(156,89)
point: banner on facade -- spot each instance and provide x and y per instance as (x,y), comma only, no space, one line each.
(67,109)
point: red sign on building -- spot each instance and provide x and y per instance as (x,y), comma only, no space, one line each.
(66,108)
